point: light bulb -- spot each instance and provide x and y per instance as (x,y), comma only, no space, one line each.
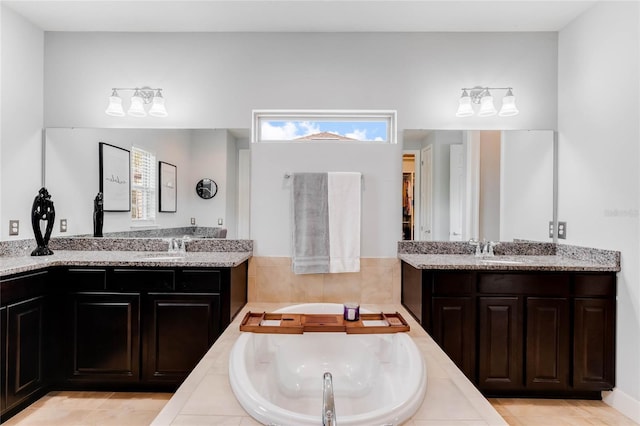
(464,108)
(115,105)
(157,108)
(137,106)
(487,109)
(508,105)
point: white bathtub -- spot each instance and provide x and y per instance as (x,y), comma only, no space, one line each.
(378,379)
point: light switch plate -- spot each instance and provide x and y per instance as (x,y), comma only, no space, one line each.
(14,227)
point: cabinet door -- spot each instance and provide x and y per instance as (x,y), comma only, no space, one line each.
(3,359)
(594,344)
(105,337)
(25,349)
(413,294)
(547,345)
(500,343)
(179,329)
(454,330)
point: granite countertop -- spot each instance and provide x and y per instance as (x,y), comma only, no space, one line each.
(13,265)
(205,397)
(508,263)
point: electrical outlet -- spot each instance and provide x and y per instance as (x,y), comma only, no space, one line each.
(220,221)
(14,227)
(193,221)
(562,230)
(550,229)
(63,225)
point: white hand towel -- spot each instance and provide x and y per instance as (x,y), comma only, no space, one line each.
(344,201)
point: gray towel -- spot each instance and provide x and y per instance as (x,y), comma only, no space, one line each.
(310,223)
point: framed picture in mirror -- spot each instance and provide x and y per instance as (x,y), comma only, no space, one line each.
(168,187)
(115,178)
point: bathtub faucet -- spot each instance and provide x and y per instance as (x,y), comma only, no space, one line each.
(328,404)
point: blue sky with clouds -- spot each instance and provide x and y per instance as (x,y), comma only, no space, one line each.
(288,130)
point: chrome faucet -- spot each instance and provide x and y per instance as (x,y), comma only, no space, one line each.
(328,404)
(483,248)
(478,245)
(489,248)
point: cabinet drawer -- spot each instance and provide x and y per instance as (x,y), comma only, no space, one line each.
(86,279)
(595,285)
(530,283)
(199,280)
(141,280)
(449,283)
(22,287)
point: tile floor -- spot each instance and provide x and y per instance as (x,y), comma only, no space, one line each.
(92,408)
(558,412)
(133,409)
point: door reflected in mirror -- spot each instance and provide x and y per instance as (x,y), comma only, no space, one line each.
(488,185)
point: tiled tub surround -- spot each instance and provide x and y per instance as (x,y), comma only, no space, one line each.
(205,397)
(271,278)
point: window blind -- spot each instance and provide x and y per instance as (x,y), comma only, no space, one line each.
(143,184)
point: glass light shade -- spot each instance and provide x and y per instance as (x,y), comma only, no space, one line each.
(157,108)
(487,109)
(508,106)
(115,106)
(137,107)
(464,108)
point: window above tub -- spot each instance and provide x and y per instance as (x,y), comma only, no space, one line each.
(324,126)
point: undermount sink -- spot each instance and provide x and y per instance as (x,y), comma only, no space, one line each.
(502,261)
(163,257)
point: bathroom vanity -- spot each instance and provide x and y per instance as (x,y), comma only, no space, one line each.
(116,320)
(518,325)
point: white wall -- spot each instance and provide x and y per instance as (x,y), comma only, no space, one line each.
(208,160)
(215,80)
(599,182)
(21,120)
(380,165)
(489,219)
(232,178)
(526,185)
(72,174)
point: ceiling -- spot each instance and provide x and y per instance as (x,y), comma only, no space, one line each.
(299,15)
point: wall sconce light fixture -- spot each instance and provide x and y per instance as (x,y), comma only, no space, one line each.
(481,96)
(141,96)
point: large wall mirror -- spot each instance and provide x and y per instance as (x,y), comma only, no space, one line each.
(488,185)
(71,164)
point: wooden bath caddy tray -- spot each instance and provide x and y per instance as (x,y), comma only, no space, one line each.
(300,323)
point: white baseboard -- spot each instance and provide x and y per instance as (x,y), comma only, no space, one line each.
(624,403)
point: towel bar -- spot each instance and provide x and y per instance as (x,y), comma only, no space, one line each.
(287,175)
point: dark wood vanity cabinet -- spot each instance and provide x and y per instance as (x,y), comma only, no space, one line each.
(145,327)
(520,333)
(103,337)
(453,318)
(594,316)
(101,329)
(25,340)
